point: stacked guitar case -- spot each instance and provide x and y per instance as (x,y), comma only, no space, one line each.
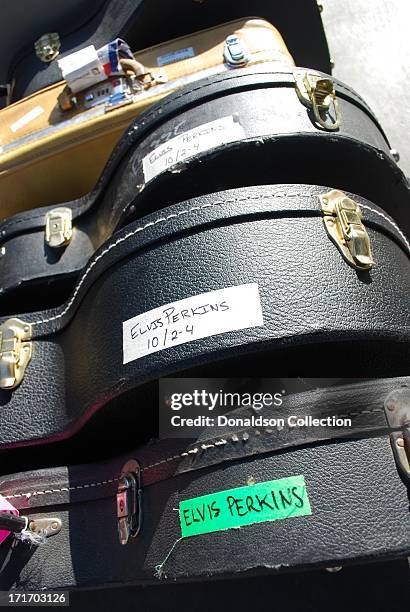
(220,172)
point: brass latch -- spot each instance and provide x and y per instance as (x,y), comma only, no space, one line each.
(15,352)
(343,222)
(48,47)
(59,227)
(318,93)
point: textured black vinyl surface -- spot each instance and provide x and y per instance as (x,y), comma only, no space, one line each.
(359,513)
(270,235)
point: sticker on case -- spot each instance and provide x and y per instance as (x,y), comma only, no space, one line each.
(265,501)
(175,56)
(201,316)
(27,118)
(202,138)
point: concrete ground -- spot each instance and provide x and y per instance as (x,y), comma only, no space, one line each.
(370,44)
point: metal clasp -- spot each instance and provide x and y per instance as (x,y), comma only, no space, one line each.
(59,227)
(397,410)
(46,527)
(156,77)
(15,352)
(343,222)
(48,47)
(235,53)
(318,93)
(129,502)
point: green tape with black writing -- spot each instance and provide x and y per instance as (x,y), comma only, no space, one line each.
(264,501)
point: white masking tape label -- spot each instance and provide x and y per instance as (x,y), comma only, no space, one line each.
(190,143)
(27,118)
(175,56)
(201,316)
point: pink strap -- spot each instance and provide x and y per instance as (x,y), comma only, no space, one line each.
(5,506)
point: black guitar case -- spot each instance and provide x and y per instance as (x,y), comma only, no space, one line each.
(300,498)
(150,22)
(239,279)
(250,127)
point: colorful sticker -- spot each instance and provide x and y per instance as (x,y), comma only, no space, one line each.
(265,501)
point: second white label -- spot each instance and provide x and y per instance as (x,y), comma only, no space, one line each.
(190,143)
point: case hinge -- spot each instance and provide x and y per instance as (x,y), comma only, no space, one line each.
(59,227)
(129,502)
(15,352)
(47,47)
(343,222)
(155,77)
(397,410)
(318,93)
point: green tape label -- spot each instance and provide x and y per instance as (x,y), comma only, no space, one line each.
(265,501)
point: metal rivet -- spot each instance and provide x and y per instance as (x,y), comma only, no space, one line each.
(332,62)
(395,154)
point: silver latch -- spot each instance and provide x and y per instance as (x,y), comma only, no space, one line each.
(129,502)
(59,227)
(397,410)
(47,47)
(235,53)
